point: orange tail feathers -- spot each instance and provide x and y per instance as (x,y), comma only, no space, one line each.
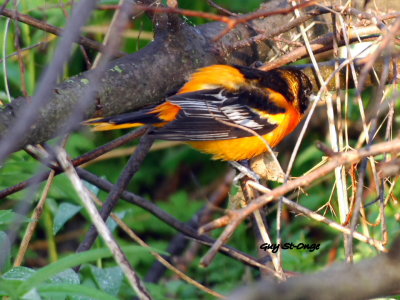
(98,125)
(158,116)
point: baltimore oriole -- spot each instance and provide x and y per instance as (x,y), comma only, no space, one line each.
(223,110)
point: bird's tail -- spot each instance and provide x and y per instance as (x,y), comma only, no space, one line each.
(158,116)
(127,120)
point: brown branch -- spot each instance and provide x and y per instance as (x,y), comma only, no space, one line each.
(86,198)
(231,21)
(130,170)
(4,6)
(84,41)
(322,44)
(272,32)
(220,8)
(36,215)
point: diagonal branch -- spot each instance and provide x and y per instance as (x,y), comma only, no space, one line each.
(84,41)
(120,257)
(131,168)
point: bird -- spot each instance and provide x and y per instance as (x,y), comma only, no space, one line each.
(232,112)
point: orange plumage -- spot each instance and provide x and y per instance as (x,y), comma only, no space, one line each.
(227,111)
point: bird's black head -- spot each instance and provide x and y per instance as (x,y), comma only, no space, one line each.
(304,92)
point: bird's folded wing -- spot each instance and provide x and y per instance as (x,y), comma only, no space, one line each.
(215,114)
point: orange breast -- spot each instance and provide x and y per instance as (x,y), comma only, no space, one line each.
(249,147)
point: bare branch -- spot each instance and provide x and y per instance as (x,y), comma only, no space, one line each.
(102,228)
(84,41)
(131,168)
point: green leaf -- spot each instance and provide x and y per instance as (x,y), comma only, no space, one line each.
(70,261)
(32,295)
(109,279)
(63,214)
(18,273)
(7,217)
(72,289)
(12,279)
(8,288)
(310,154)
(68,276)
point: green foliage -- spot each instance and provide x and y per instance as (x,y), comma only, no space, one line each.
(9,218)
(63,214)
(58,278)
(19,167)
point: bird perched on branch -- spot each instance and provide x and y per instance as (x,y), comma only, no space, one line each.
(231,112)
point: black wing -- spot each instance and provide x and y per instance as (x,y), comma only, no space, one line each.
(218,114)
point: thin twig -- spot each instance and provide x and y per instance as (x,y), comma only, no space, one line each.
(249,195)
(84,41)
(113,37)
(273,32)
(321,44)
(231,21)
(26,49)
(220,8)
(35,217)
(133,278)
(4,6)
(165,262)
(131,168)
